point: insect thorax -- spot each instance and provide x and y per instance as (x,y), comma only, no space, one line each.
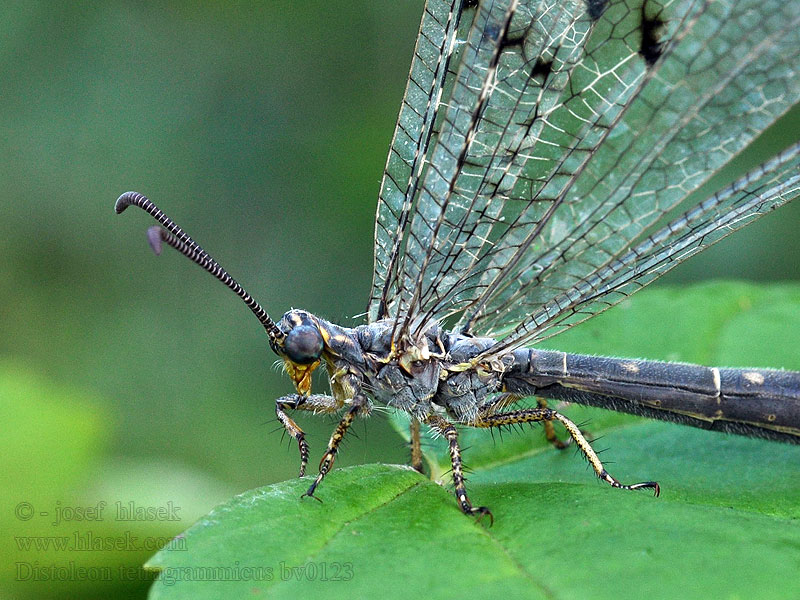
(431,374)
(426,376)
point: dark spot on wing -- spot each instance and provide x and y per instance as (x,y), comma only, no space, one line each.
(514,39)
(651,47)
(596,8)
(469,4)
(531,119)
(541,69)
(492,32)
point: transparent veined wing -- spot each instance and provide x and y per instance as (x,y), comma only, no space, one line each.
(562,154)
(435,50)
(760,191)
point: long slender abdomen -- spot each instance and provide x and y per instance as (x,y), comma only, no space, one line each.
(753,402)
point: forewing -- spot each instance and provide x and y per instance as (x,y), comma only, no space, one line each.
(760,191)
(435,51)
(573,133)
(434,207)
(727,76)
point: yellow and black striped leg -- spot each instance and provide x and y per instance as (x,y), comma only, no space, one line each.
(416,447)
(359,405)
(550,431)
(506,399)
(316,403)
(547,414)
(449,432)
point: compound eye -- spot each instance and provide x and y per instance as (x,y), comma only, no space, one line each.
(303,345)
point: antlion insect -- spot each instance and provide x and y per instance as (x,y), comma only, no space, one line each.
(541,171)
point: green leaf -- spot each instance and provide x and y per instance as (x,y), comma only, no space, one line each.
(727,524)
(53,437)
(59,491)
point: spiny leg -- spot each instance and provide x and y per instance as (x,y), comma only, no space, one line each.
(449,431)
(416,447)
(360,404)
(506,399)
(547,414)
(550,431)
(316,403)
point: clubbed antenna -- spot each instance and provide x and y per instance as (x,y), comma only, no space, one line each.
(174,236)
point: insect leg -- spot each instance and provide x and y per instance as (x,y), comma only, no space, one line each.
(547,414)
(316,403)
(359,404)
(506,399)
(416,448)
(550,431)
(449,431)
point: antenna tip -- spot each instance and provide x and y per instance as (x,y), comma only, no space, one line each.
(154,238)
(126,199)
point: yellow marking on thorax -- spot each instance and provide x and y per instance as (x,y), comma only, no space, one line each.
(326,335)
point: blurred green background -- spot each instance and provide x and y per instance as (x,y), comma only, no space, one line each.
(263,131)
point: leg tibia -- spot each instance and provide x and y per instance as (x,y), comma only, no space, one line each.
(316,403)
(547,415)
(448,430)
